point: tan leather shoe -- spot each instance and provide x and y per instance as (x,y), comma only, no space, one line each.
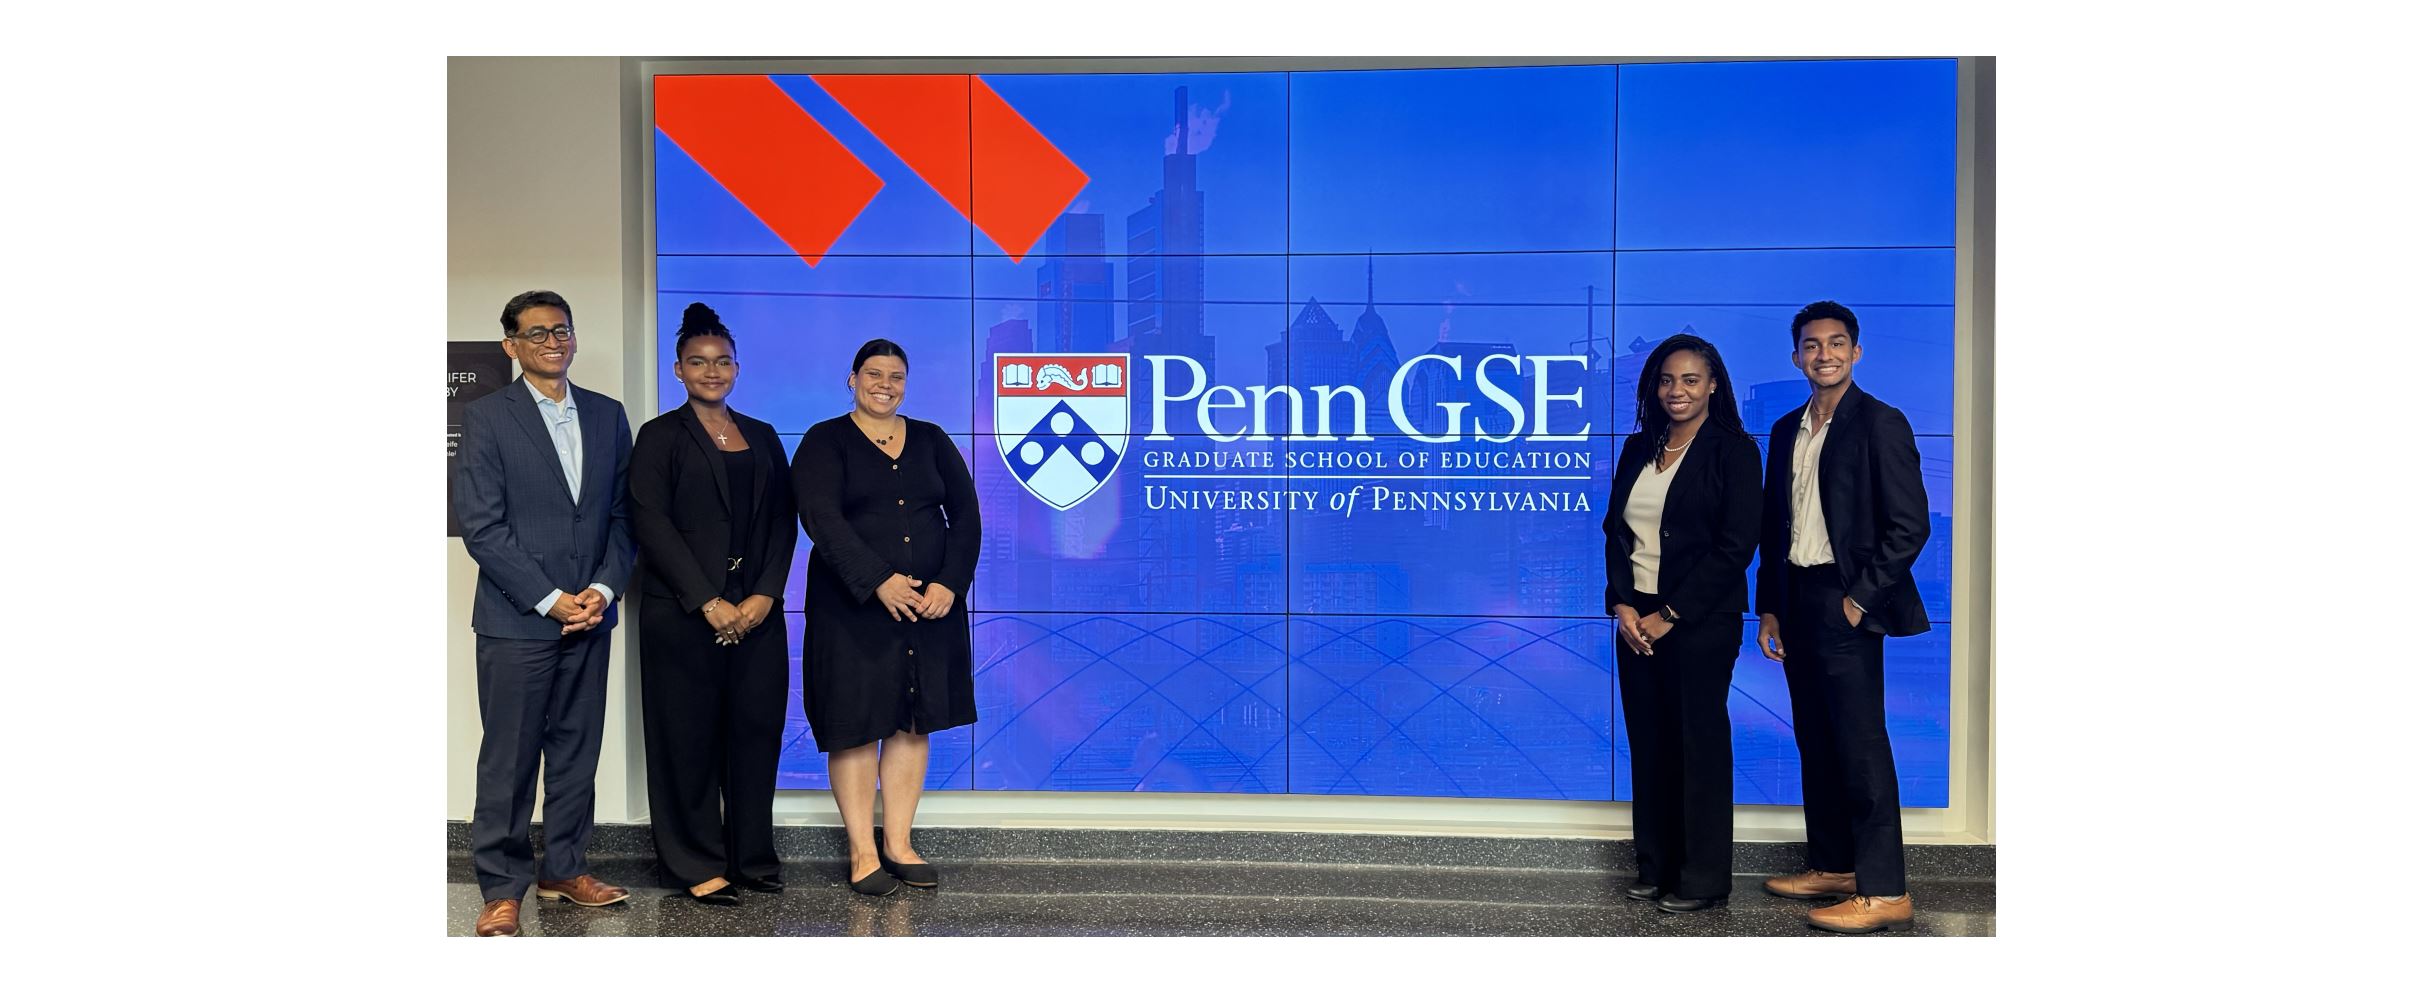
(1813,884)
(582,890)
(498,919)
(1864,914)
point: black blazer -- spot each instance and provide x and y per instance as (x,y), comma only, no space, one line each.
(681,512)
(521,527)
(1708,529)
(1876,507)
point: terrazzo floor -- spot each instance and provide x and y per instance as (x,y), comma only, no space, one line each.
(1177,898)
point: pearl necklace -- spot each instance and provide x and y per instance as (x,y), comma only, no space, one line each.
(1661,463)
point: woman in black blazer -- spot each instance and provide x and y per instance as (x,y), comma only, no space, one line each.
(714,512)
(1680,529)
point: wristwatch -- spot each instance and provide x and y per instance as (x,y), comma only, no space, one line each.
(1671,617)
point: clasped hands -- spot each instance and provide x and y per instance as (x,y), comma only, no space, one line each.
(731,622)
(907,600)
(579,611)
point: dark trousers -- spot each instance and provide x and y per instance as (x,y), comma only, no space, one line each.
(542,704)
(1836,674)
(713,717)
(1682,755)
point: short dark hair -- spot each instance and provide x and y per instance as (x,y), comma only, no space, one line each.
(701,320)
(531,300)
(879,348)
(1825,309)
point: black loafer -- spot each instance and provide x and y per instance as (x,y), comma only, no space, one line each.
(1643,891)
(768,886)
(878,882)
(1686,904)
(920,876)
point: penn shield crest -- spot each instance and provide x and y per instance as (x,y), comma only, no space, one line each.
(1062,421)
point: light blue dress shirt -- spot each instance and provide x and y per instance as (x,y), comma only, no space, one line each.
(566,435)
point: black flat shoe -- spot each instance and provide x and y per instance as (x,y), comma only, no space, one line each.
(724,895)
(878,882)
(920,876)
(767,886)
(1643,891)
(1686,904)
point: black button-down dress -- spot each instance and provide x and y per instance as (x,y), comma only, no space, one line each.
(867,675)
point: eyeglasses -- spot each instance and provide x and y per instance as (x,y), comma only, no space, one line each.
(539,336)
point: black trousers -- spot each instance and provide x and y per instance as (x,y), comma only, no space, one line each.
(1682,754)
(713,718)
(542,704)
(1836,674)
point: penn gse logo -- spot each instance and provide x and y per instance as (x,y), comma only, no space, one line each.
(1062,422)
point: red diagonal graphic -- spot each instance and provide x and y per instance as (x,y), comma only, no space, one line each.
(1020,182)
(923,118)
(769,154)
(1009,180)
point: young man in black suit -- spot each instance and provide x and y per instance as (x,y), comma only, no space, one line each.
(541,497)
(1846,513)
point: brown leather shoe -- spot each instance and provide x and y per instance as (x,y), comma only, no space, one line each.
(582,890)
(1864,914)
(1813,884)
(498,919)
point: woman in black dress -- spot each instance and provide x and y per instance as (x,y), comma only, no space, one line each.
(714,515)
(1681,527)
(887,652)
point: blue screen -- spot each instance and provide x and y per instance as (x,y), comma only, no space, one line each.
(1293,398)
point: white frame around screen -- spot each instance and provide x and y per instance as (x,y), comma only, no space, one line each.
(1968,817)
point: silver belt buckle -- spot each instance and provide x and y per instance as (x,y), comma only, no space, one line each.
(733,562)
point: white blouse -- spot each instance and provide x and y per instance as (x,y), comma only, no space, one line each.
(1643,511)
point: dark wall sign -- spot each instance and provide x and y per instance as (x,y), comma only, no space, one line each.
(474,369)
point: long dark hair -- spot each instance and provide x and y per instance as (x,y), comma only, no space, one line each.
(1722,411)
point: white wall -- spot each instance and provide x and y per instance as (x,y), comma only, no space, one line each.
(549,187)
(537,163)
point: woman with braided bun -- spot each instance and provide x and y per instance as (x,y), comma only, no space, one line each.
(714,512)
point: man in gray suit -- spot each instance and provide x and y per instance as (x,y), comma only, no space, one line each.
(541,497)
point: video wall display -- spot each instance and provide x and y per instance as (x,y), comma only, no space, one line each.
(1293,398)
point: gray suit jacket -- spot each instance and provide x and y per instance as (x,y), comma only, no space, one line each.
(524,531)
